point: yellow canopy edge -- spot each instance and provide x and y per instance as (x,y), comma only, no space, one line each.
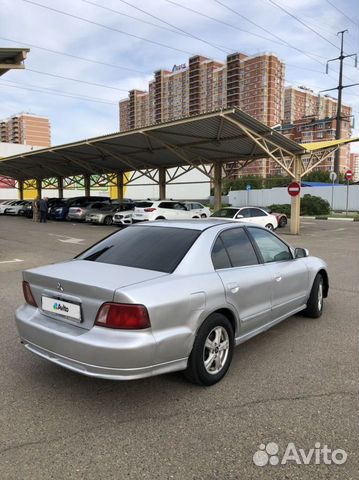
(327,144)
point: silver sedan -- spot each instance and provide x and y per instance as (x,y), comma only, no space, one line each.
(165,296)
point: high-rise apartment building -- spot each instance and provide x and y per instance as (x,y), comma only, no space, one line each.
(300,102)
(253,83)
(27,129)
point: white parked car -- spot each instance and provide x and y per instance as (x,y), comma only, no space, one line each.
(162,210)
(197,207)
(17,208)
(5,205)
(249,215)
(123,215)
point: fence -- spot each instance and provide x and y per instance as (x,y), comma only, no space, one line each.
(272,196)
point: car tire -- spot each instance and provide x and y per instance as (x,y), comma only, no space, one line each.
(269,226)
(160,218)
(214,332)
(203,215)
(315,302)
(283,222)
(107,220)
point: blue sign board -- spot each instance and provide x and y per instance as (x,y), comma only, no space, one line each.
(249,187)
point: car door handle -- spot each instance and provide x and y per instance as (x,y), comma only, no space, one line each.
(233,287)
(278,278)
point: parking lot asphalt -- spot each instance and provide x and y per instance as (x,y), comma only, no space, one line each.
(296,383)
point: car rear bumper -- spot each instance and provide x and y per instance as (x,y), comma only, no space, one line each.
(98,352)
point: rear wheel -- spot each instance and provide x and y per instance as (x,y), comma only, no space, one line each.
(212,351)
(270,226)
(160,218)
(315,302)
(283,221)
(107,220)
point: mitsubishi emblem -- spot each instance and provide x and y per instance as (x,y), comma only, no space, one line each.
(60,287)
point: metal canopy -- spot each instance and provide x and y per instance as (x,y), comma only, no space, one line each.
(11,58)
(218,137)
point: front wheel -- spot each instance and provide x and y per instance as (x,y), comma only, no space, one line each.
(203,215)
(212,351)
(107,221)
(315,302)
(270,226)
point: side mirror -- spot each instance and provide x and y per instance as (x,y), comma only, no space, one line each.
(301,252)
(239,216)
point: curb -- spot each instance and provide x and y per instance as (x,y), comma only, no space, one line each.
(341,219)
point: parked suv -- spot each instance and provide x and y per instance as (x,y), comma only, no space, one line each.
(162,210)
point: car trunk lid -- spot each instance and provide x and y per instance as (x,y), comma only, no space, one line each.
(74,291)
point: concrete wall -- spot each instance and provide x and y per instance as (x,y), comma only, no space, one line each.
(271,196)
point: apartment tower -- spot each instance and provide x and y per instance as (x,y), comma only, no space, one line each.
(26,129)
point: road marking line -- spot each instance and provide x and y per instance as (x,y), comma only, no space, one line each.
(67,238)
(12,261)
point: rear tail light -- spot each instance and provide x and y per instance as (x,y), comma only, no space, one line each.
(123,316)
(151,209)
(29,298)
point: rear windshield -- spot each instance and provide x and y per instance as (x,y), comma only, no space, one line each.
(144,204)
(151,248)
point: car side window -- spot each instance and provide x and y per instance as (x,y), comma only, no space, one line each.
(220,257)
(166,205)
(179,206)
(245,212)
(239,248)
(271,247)
(256,212)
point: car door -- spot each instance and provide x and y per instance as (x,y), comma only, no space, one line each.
(247,282)
(290,275)
(181,211)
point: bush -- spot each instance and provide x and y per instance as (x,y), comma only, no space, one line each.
(281,208)
(309,205)
(312,205)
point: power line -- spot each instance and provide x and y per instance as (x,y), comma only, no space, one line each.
(309,55)
(77,80)
(52,91)
(107,27)
(77,57)
(340,11)
(302,23)
(177,29)
(223,22)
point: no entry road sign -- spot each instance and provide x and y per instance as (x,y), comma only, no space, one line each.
(348,175)
(294,189)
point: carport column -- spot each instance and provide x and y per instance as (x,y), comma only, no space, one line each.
(20,186)
(87,180)
(217,185)
(60,186)
(38,188)
(162,182)
(295,204)
(119,184)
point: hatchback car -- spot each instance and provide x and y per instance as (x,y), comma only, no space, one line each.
(17,208)
(103,214)
(159,297)
(80,212)
(197,207)
(162,210)
(248,214)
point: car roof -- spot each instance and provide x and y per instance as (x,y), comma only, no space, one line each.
(193,224)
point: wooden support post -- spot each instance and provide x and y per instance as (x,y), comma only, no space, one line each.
(119,185)
(60,186)
(162,183)
(295,203)
(20,184)
(217,185)
(38,188)
(87,184)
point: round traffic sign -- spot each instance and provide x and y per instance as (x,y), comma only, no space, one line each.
(348,175)
(332,176)
(294,189)
(248,187)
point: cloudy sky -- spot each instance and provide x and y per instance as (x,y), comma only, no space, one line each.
(109,47)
